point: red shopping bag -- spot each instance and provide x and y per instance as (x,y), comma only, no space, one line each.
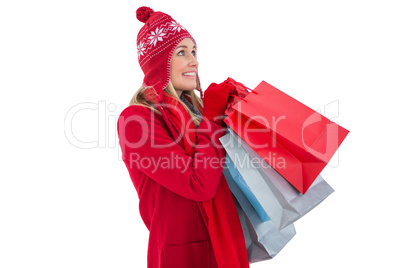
(295,140)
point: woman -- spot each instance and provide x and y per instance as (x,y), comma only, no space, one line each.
(169,140)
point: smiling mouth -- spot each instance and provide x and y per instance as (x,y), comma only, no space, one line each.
(189,74)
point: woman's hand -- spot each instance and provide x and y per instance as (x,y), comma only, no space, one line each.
(215,101)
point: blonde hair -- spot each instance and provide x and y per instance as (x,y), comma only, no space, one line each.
(142,97)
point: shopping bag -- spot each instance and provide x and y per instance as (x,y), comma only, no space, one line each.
(253,186)
(295,140)
(284,192)
(263,240)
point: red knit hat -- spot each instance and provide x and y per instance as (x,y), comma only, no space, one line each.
(156,42)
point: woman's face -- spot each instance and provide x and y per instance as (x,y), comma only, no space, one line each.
(184,66)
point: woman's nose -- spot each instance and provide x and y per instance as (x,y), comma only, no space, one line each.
(194,61)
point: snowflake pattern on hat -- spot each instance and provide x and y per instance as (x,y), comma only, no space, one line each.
(177,26)
(156,36)
(140,49)
(153,38)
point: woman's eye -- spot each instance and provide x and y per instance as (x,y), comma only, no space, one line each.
(182,52)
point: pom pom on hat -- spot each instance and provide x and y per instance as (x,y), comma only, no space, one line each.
(143,13)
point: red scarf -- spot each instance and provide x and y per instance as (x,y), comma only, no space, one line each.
(221,215)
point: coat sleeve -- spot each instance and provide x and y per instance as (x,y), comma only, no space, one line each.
(147,146)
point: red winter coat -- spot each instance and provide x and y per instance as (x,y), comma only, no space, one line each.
(168,196)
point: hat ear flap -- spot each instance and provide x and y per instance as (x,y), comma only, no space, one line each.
(154,94)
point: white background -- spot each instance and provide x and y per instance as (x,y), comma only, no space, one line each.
(65,206)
